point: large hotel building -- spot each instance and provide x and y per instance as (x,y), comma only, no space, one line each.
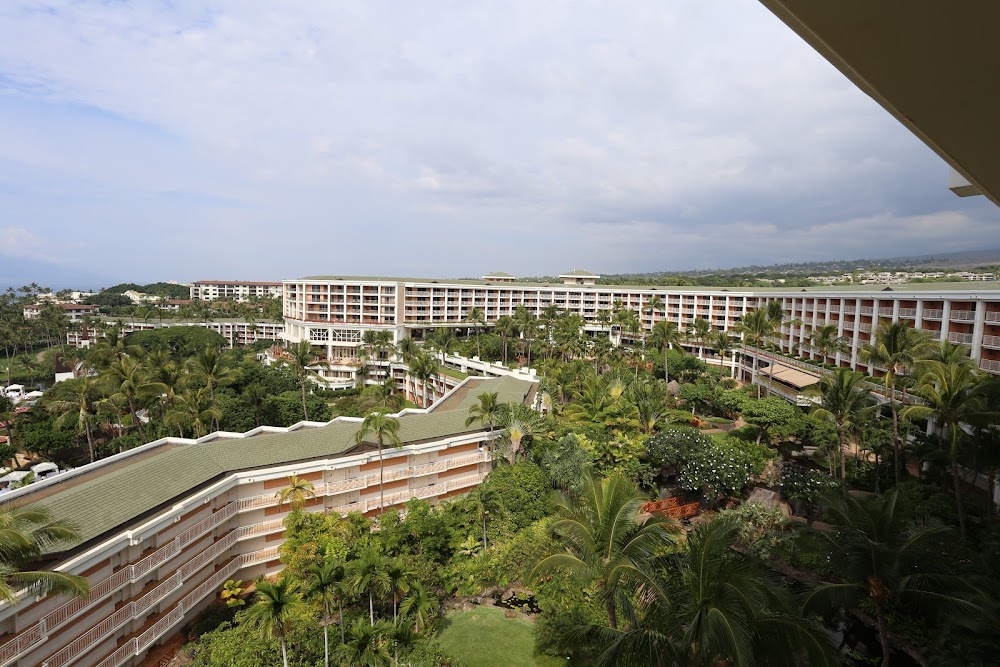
(163,526)
(332,312)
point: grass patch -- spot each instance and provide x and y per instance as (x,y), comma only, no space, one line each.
(719,420)
(484,637)
(451,372)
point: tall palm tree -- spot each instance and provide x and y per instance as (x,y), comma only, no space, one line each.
(654,305)
(323,583)
(700,328)
(722,343)
(602,541)
(367,575)
(897,348)
(953,397)
(383,427)
(485,411)
(665,335)
(255,394)
(423,367)
(846,403)
(878,549)
(477,319)
(296,493)
(302,357)
(825,341)
(276,606)
(505,327)
(527,326)
(127,377)
(212,367)
(443,340)
(25,532)
(756,328)
(77,399)
(712,605)
(399,578)
(518,422)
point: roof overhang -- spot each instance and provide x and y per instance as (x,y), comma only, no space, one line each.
(788,375)
(931,64)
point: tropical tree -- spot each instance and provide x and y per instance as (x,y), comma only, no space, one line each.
(302,357)
(846,403)
(654,305)
(700,329)
(296,493)
(722,343)
(878,551)
(382,427)
(423,367)
(477,319)
(603,542)
(194,407)
(277,605)
(505,327)
(76,399)
(897,348)
(826,342)
(952,397)
(25,533)
(125,376)
(519,423)
(212,367)
(367,575)
(443,340)
(756,328)
(665,335)
(419,605)
(527,325)
(485,411)
(323,583)
(712,605)
(367,645)
(255,394)
(399,578)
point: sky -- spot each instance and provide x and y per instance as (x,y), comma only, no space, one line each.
(248,139)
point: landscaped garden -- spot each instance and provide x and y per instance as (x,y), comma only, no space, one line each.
(485,637)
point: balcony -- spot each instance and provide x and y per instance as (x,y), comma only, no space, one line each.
(990,365)
(963,315)
(885,312)
(909,313)
(991,341)
(868,310)
(933,314)
(956,337)
(993,317)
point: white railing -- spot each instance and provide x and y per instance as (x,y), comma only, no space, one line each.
(991,365)
(991,341)
(933,314)
(993,317)
(963,315)
(956,337)
(885,312)
(907,312)
(865,327)
(867,310)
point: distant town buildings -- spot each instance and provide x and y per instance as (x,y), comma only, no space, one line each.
(898,277)
(234,290)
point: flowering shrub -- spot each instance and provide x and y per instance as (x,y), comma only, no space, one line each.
(704,464)
(798,483)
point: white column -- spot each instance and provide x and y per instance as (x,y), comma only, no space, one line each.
(978,327)
(945,320)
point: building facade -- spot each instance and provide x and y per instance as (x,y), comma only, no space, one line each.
(165,525)
(333,313)
(234,290)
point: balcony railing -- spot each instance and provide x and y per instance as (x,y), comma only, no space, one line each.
(991,341)
(885,312)
(963,315)
(909,313)
(993,317)
(956,337)
(991,365)
(933,314)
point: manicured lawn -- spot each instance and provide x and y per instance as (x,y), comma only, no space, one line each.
(451,372)
(484,637)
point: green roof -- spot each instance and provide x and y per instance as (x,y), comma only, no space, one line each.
(580,272)
(498,274)
(107,498)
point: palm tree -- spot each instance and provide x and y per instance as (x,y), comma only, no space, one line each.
(423,367)
(418,605)
(722,343)
(846,403)
(277,604)
(756,328)
(527,325)
(897,348)
(665,335)
(712,605)
(443,340)
(519,422)
(398,576)
(879,550)
(76,398)
(485,411)
(302,357)
(477,319)
(126,377)
(255,394)
(366,646)
(604,542)
(505,327)
(825,341)
(25,532)
(953,397)
(383,427)
(296,493)
(323,582)
(212,367)
(654,305)
(367,575)
(197,408)
(700,328)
